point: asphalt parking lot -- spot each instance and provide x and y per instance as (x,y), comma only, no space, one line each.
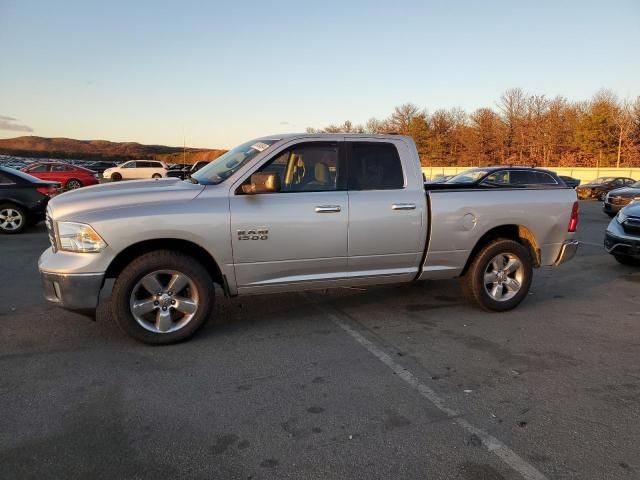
(384,382)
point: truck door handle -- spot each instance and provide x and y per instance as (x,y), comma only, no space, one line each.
(328,208)
(403,206)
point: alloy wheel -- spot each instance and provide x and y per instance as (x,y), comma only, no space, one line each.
(164,301)
(10,219)
(503,277)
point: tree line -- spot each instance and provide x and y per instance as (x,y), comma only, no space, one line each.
(521,129)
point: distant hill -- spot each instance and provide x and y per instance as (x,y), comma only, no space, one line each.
(42,147)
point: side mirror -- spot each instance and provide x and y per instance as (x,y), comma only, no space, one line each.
(262,183)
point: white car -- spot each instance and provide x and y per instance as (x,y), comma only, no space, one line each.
(137,169)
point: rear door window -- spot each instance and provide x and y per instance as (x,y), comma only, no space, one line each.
(374,166)
(5,179)
(39,168)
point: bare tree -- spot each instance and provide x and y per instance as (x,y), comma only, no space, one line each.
(401,117)
(624,120)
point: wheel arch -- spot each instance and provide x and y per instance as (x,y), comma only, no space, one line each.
(184,246)
(518,233)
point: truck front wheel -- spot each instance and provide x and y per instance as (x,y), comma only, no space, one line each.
(499,277)
(162,297)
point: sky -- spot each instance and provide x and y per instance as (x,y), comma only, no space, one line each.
(216,73)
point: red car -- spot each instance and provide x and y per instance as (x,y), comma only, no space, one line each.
(69,176)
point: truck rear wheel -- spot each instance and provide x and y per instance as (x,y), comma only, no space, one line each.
(162,297)
(499,277)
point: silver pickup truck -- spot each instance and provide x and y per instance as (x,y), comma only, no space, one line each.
(295,212)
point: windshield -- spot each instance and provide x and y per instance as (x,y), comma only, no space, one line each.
(635,185)
(469,176)
(225,165)
(601,180)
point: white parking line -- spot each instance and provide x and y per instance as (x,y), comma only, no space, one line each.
(492,444)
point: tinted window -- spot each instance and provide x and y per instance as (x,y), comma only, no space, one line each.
(629,181)
(60,168)
(39,168)
(520,177)
(155,164)
(617,182)
(374,166)
(306,167)
(500,177)
(129,165)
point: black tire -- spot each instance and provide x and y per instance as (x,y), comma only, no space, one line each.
(626,260)
(73,184)
(159,260)
(16,211)
(473,280)
(116,177)
(156,176)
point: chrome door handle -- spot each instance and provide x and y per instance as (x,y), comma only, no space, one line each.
(403,206)
(328,208)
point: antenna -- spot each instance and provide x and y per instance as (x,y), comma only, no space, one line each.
(184,146)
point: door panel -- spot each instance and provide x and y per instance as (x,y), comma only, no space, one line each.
(386,231)
(281,238)
(384,240)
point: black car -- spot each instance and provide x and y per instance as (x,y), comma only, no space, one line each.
(599,187)
(622,238)
(570,181)
(505,177)
(188,171)
(23,199)
(620,197)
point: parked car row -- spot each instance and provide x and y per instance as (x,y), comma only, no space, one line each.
(598,188)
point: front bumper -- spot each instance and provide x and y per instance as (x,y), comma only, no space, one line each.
(611,208)
(585,193)
(567,251)
(622,245)
(78,292)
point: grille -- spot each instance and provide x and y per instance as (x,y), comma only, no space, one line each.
(51,231)
(632,224)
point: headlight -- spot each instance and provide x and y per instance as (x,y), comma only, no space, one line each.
(79,237)
(621,217)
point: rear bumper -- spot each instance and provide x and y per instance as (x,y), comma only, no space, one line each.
(76,292)
(567,251)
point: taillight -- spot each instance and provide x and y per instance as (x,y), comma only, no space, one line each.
(48,191)
(573,221)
